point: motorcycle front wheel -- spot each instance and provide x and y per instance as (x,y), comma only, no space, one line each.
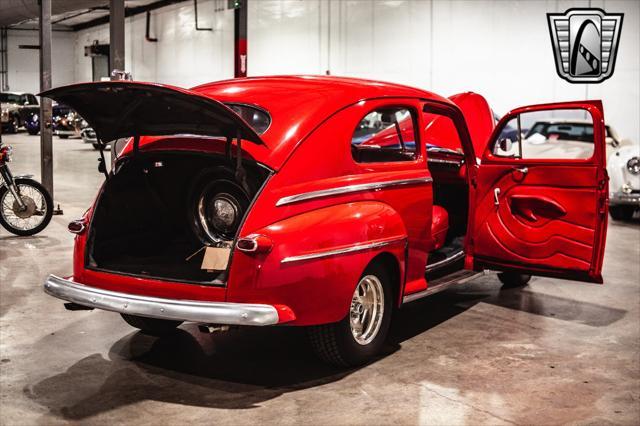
(36,214)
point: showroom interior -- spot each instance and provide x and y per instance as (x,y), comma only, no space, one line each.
(550,338)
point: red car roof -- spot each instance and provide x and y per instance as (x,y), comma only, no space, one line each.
(298,104)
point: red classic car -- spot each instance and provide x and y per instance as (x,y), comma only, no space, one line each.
(322,202)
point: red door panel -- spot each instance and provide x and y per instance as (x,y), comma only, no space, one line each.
(542,216)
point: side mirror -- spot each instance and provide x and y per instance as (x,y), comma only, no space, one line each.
(611,141)
(505,144)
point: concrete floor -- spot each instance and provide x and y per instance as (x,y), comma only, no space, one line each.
(555,352)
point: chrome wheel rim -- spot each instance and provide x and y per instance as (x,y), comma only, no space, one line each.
(367,309)
(32,216)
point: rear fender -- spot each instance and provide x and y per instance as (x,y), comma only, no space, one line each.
(317,259)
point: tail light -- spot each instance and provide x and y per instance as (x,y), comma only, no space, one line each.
(77,226)
(5,153)
(255,244)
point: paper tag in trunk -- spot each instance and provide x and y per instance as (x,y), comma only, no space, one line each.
(216,258)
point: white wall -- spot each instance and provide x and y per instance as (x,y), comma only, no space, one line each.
(500,49)
(24,68)
(182,56)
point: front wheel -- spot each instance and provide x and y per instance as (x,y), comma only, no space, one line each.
(36,213)
(513,279)
(360,335)
(152,326)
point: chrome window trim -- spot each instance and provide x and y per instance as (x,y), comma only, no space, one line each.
(344,250)
(438,160)
(304,196)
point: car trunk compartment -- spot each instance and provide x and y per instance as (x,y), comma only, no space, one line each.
(146,220)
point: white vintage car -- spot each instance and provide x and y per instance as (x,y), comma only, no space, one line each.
(623,167)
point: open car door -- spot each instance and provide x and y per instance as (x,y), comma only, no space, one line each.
(542,193)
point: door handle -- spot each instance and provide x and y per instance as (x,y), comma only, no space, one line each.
(496,193)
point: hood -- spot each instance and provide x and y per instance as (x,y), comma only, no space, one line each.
(120,109)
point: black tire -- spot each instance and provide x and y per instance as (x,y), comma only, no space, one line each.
(335,343)
(63,136)
(513,279)
(33,132)
(621,212)
(14,124)
(47,199)
(151,326)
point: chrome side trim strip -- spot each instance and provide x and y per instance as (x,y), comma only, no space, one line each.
(446,261)
(448,281)
(349,189)
(344,250)
(439,160)
(155,307)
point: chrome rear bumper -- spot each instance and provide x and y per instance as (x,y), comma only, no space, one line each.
(155,307)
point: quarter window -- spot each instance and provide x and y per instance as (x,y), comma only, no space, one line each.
(385,134)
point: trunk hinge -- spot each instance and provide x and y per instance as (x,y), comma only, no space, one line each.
(241,174)
(102,163)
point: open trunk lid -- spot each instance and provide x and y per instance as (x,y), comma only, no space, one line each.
(120,109)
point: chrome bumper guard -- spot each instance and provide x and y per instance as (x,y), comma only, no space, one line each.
(155,307)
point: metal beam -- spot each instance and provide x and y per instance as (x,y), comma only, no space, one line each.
(46,145)
(116,35)
(129,11)
(240,39)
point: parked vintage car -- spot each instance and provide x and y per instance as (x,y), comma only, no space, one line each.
(562,138)
(268,201)
(89,136)
(624,171)
(67,123)
(32,124)
(16,109)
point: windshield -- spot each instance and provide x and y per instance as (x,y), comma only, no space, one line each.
(258,119)
(9,98)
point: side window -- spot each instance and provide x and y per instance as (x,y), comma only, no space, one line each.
(560,134)
(384,135)
(32,100)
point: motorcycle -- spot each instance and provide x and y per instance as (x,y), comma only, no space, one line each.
(26,206)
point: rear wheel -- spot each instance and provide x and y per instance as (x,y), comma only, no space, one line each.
(33,131)
(513,279)
(361,334)
(621,212)
(63,136)
(152,326)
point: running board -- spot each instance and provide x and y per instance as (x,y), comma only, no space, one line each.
(446,261)
(445,282)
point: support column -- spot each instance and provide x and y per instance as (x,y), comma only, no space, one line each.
(46,146)
(240,39)
(116,35)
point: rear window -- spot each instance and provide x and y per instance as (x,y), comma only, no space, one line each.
(9,98)
(258,119)
(383,135)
